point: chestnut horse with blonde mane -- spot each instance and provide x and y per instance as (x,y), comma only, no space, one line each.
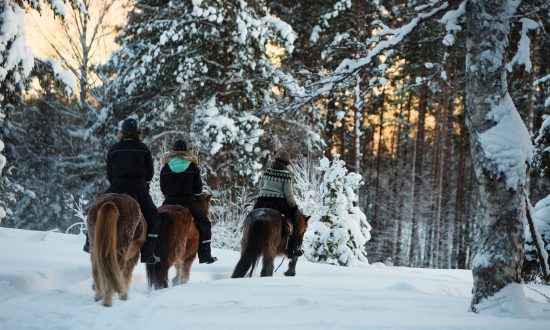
(177,244)
(117,230)
(265,234)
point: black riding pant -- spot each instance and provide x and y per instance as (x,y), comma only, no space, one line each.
(201,220)
(140,192)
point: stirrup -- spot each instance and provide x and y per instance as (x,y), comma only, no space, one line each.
(150,260)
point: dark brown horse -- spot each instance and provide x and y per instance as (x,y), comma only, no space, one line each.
(265,235)
(116,229)
(177,244)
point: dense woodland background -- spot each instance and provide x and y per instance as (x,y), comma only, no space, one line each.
(241,79)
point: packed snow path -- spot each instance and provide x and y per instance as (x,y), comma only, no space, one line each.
(45,283)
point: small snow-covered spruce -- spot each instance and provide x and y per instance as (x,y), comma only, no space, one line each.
(338,230)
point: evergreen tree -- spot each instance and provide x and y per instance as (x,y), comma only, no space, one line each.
(202,67)
(338,230)
(16,63)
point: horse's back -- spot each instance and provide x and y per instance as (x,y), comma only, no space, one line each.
(175,212)
(262,215)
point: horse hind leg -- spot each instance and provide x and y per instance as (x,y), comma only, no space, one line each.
(268,260)
(96,286)
(183,271)
(128,268)
(108,299)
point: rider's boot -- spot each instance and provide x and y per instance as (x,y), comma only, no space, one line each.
(148,250)
(205,253)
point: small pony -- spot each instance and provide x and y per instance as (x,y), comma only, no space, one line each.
(117,230)
(265,234)
(177,244)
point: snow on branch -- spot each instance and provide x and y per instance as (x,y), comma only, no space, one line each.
(285,31)
(452,20)
(522,56)
(13,47)
(394,37)
(542,81)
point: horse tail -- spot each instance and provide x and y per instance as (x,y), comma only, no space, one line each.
(252,250)
(104,253)
(157,274)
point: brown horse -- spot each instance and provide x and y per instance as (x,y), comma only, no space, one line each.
(265,234)
(116,229)
(177,244)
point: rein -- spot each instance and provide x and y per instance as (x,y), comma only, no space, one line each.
(279,265)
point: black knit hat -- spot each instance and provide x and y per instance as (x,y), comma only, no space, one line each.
(130,126)
(181,145)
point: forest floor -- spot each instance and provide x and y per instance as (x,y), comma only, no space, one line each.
(45,283)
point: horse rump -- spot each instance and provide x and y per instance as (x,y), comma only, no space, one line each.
(117,231)
(176,229)
(254,236)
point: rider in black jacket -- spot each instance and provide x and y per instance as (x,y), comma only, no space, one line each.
(129,170)
(181,184)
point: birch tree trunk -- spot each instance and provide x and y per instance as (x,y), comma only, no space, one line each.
(499,145)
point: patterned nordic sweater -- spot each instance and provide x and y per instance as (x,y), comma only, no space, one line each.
(277,183)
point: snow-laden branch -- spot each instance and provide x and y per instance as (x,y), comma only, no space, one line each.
(523,55)
(541,80)
(452,20)
(350,66)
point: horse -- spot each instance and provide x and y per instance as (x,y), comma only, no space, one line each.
(177,244)
(117,230)
(265,233)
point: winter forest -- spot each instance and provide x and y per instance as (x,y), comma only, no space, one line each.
(418,130)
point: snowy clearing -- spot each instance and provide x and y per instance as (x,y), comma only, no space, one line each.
(45,283)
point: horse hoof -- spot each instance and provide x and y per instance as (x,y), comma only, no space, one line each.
(290,273)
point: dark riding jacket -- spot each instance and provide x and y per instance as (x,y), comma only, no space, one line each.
(129,165)
(129,170)
(180,178)
(181,184)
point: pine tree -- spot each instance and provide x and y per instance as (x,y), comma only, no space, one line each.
(16,63)
(338,230)
(201,67)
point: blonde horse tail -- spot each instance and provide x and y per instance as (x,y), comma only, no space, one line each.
(104,249)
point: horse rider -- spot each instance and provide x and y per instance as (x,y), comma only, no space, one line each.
(181,184)
(130,170)
(276,193)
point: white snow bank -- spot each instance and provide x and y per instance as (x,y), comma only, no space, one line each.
(45,283)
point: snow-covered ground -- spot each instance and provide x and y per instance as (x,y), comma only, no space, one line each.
(45,283)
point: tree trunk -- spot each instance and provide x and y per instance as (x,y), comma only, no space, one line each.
(417,176)
(488,105)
